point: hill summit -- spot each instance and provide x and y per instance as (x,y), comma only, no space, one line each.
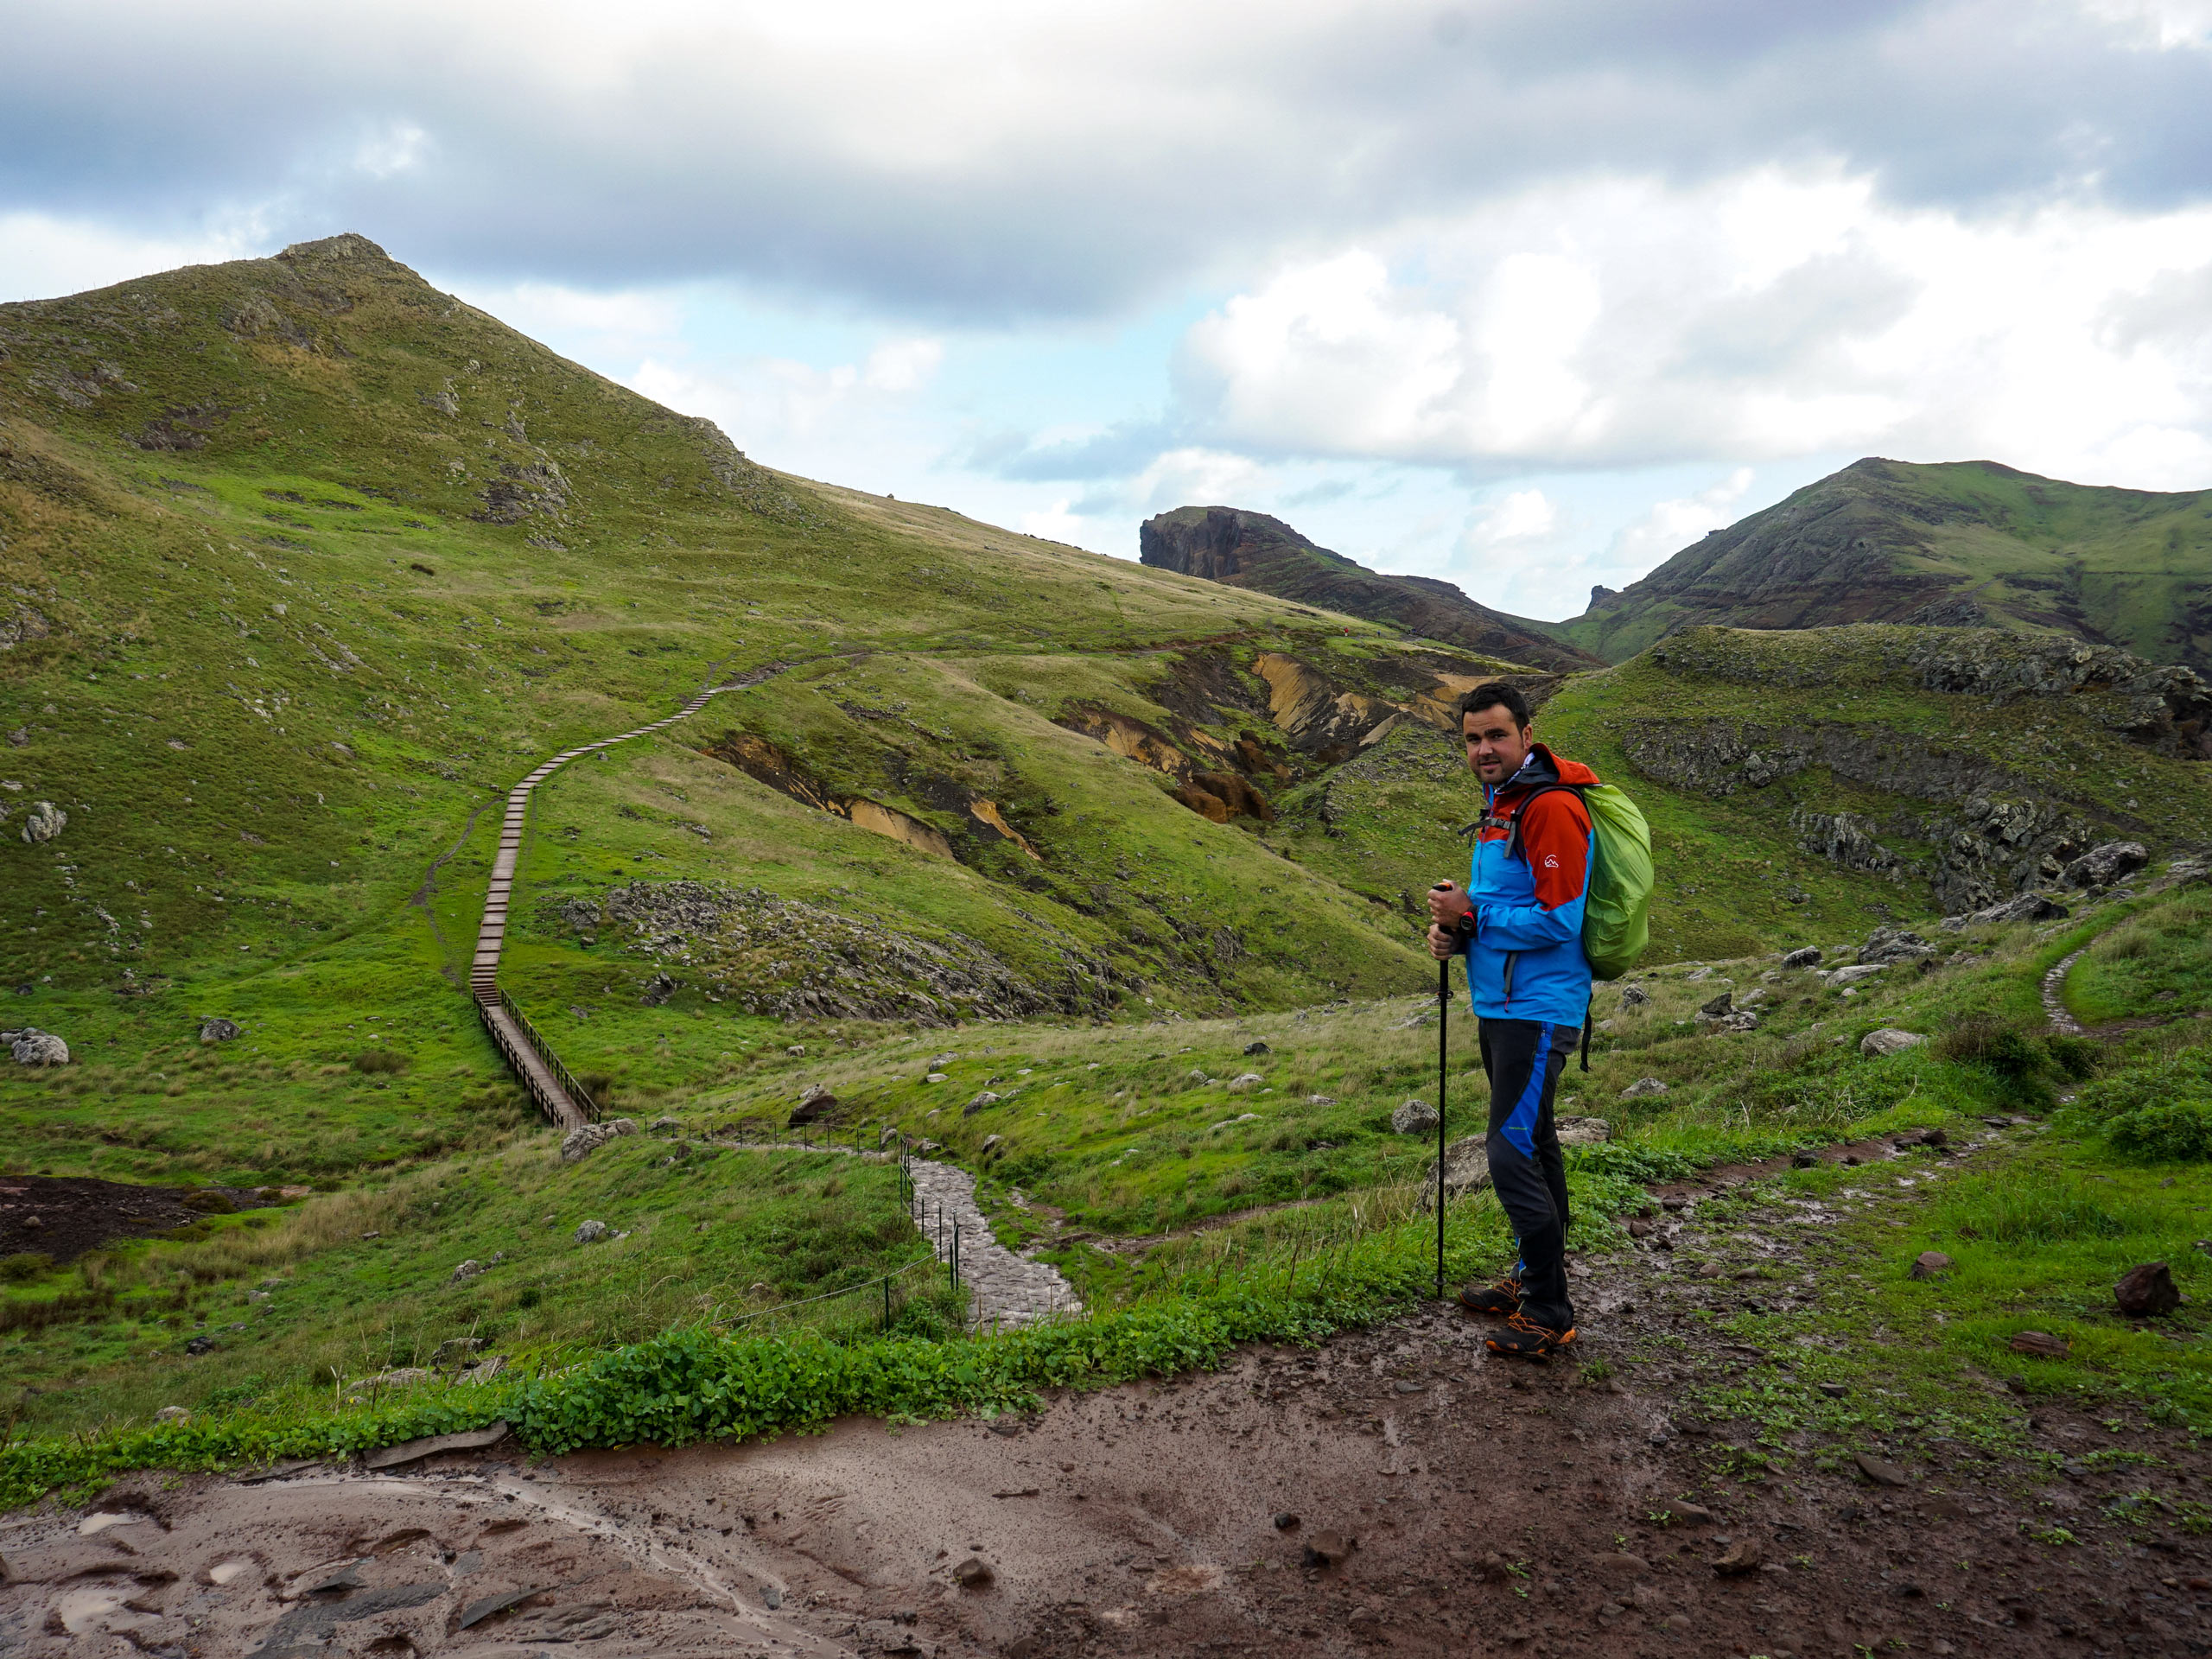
(1955,544)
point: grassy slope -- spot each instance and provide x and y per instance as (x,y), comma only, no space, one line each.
(2035,553)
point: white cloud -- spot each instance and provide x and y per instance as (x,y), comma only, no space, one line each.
(1623,324)
(1671,526)
(41,255)
(1522,516)
(903,365)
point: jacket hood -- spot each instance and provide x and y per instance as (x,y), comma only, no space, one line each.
(1545,767)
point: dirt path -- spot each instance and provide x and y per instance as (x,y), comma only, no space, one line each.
(1498,1509)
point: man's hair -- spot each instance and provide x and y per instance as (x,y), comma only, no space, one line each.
(1493,694)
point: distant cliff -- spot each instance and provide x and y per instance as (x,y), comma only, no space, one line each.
(1250,549)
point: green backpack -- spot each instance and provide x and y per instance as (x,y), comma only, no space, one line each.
(1617,910)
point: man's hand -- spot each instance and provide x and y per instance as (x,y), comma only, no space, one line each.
(1447,903)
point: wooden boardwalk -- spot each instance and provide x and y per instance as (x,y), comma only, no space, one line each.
(551,1087)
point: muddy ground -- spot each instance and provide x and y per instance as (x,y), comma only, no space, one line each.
(1470,1505)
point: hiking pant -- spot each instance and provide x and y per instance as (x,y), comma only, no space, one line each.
(1523,1059)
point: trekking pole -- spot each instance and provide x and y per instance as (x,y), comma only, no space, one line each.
(1443,1023)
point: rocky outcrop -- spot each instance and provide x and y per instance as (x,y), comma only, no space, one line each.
(31,1046)
(1992,834)
(797,961)
(44,822)
(766,763)
(1250,549)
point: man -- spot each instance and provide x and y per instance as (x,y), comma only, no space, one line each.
(1519,920)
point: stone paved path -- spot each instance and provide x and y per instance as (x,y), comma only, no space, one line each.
(1010,1290)
(2054,995)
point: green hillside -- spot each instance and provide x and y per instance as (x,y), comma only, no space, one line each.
(1964,542)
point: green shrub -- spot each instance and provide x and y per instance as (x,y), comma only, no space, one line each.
(2178,1130)
(2021,1062)
(2155,1108)
(2040,1211)
(375,1061)
(23,1266)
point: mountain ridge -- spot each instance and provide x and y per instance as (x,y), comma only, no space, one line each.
(1241,548)
(1943,543)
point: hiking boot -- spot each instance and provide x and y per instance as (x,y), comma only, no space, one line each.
(1524,1338)
(1501,1299)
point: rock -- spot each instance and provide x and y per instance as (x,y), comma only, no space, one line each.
(1286,1522)
(816,1104)
(591,1232)
(664,1125)
(1466,1169)
(1328,1549)
(221,1031)
(1885,945)
(796,1050)
(468,1269)
(974,1573)
(1718,1006)
(938,1062)
(1835,1390)
(2028,907)
(1843,976)
(1805,1161)
(583,1143)
(32,1046)
(1638,1228)
(1634,996)
(1583,1131)
(1321,1100)
(44,822)
(472,1439)
(1620,1563)
(1928,1263)
(937,1077)
(1257,1048)
(658,991)
(454,1350)
(1245,1082)
(2100,867)
(1742,1556)
(172,1414)
(987,1098)
(1804,956)
(1689,1514)
(1642,1088)
(2146,1292)
(1881,1473)
(990,1141)
(1879,1045)
(1415,1118)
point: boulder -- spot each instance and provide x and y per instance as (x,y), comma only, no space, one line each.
(2028,907)
(1244,1082)
(1634,996)
(44,822)
(2146,1292)
(1718,1006)
(1878,1044)
(1415,1118)
(1886,945)
(591,1232)
(2100,867)
(1257,1048)
(172,1414)
(2040,1343)
(1806,957)
(1930,1263)
(664,1125)
(938,1062)
(1583,1131)
(1843,976)
(218,1030)
(987,1098)
(658,989)
(32,1046)
(468,1269)
(583,1143)
(1642,1088)
(815,1103)
(1466,1169)
(455,1352)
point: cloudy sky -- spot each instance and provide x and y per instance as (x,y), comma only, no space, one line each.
(1527,296)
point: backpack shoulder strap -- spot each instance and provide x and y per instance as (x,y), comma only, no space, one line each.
(1513,846)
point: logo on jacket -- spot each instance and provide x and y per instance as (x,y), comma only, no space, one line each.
(1551,860)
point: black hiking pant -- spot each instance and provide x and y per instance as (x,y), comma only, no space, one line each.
(1522,1060)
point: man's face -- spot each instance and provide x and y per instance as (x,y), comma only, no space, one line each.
(1496,746)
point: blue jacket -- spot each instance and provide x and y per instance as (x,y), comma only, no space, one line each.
(1526,961)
